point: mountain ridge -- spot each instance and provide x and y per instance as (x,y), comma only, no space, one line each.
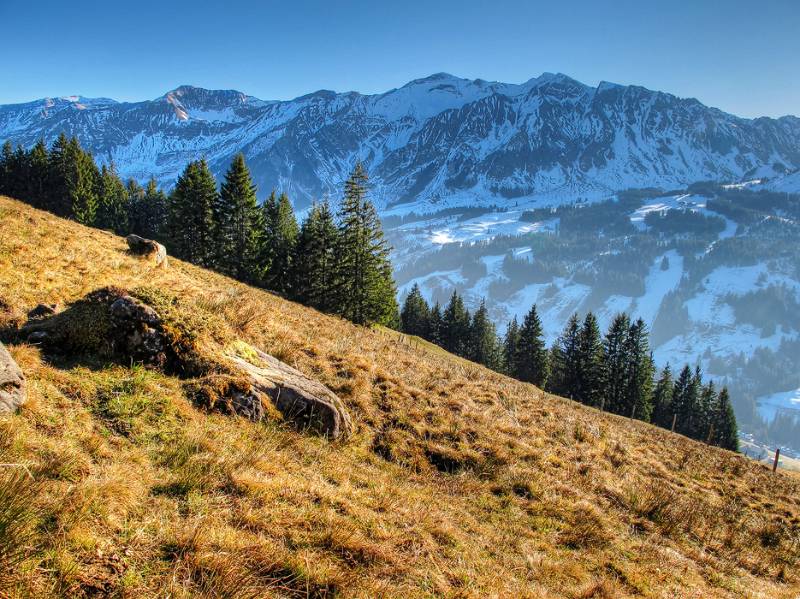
(436,141)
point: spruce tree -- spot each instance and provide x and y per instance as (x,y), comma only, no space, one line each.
(615,364)
(415,314)
(511,347)
(726,433)
(565,361)
(112,205)
(38,174)
(435,325)
(280,239)
(237,224)
(314,263)
(638,396)
(456,322)
(662,399)
(60,169)
(704,416)
(531,359)
(6,169)
(190,216)
(590,363)
(147,210)
(365,287)
(684,401)
(483,346)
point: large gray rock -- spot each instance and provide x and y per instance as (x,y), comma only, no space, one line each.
(140,246)
(303,401)
(13,388)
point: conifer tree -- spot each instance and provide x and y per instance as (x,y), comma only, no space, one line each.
(638,395)
(38,173)
(615,364)
(314,263)
(684,401)
(190,217)
(726,432)
(435,325)
(147,210)
(365,287)
(662,399)
(531,359)
(456,322)
(61,163)
(415,314)
(590,363)
(112,206)
(237,224)
(704,416)
(280,239)
(6,169)
(511,347)
(565,361)
(483,346)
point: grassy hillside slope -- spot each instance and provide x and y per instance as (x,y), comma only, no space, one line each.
(458,482)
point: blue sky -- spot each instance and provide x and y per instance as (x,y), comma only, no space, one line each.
(741,56)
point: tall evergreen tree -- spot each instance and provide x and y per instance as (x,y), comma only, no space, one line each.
(147,210)
(280,239)
(684,401)
(435,325)
(565,364)
(511,347)
(704,416)
(366,291)
(38,174)
(112,205)
(190,216)
(415,314)
(238,226)
(531,358)
(638,396)
(484,347)
(726,432)
(590,363)
(456,322)
(662,399)
(314,263)
(615,364)
(6,169)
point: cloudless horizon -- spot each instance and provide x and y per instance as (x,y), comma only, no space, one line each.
(729,55)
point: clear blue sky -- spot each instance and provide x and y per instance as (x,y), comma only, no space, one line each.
(741,56)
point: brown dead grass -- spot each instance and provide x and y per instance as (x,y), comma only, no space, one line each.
(458,482)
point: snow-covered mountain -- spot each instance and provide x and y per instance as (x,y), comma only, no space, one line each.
(435,142)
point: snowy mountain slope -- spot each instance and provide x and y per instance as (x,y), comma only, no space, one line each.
(435,142)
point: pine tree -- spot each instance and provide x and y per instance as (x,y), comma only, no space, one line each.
(662,399)
(190,217)
(704,416)
(82,184)
(314,263)
(280,239)
(531,359)
(59,175)
(638,396)
(237,224)
(726,433)
(112,206)
(590,363)
(483,346)
(615,364)
(684,401)
(415,314)
(365,287)
(6,169)
(435,325)
(565,361)
(147,210)
(456,322)
(511,348)
(38,173)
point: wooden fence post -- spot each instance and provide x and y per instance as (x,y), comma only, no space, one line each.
(674,418)
(777,457)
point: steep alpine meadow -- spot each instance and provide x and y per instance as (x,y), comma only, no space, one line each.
(435,142)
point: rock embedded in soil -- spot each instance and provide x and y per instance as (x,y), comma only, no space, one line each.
(13,388)
(140,246)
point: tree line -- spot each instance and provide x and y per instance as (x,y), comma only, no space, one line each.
(614,372)
(337,262)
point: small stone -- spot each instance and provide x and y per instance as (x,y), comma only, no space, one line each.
(140,246)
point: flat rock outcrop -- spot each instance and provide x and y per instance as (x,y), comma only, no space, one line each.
(13,387)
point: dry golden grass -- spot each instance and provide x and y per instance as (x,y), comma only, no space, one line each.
(458,482)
